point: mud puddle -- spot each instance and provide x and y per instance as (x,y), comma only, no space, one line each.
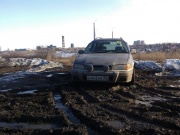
(7,90)
(27,92)
(72,118)
(116,123)
(150,107)
(147,100)
(66,110)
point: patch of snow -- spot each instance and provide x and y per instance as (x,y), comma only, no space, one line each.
(27,92)
(19,62)
(64,54)
(14,76)
(6,90)
(44,66)
(172,64)
(38,62)
(38,65)
(147,65)
(172,67)
(49,75)
(27,62)
(2,59)
(35,65)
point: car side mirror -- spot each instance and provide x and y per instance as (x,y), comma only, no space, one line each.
(80,51)
(133,51)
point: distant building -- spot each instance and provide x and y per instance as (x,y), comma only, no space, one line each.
(142,42)
(139,42)
(38,47)
(51,47)
(72,45)
(63,42)
(20,50)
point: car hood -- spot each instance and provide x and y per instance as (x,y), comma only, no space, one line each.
(103,58)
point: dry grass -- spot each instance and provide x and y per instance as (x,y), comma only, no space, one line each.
(25,54)
(49,55)
(43,54)
(157,56)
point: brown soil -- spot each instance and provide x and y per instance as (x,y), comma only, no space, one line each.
(49,103)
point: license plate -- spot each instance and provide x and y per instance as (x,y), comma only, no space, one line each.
(97,78)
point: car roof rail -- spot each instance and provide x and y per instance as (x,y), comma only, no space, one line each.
(98,37)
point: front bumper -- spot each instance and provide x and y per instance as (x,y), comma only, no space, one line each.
(113,75)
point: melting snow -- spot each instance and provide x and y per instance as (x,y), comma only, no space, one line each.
(171,67)
(38,65)
(64,54)
(14,76)
(148,65)
(172,64)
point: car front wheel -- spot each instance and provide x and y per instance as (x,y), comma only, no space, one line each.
(132,82)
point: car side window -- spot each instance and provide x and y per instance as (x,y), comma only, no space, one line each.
(89,48)
(125,48)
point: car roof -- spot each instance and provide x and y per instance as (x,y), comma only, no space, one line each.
(107,39)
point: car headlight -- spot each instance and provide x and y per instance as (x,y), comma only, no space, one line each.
(78,66)
(128,66)
(119,67)
(122,67)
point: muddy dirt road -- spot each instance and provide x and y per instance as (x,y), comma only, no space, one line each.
(49,103)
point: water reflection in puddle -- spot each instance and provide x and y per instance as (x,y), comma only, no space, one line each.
(115,123)
(27,92)
(154,98)
(50,75)
(69,114)
(174,86)
(147,100)
(147,103)
(66,110)
(61,73)
(27,125)
(5,90)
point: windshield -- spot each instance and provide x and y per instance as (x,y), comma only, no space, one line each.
(107,46)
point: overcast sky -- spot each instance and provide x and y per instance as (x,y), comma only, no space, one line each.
(30,23)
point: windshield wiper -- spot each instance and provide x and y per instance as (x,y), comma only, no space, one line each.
(100,52)
(120,52)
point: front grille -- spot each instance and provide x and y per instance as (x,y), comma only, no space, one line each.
(100,67)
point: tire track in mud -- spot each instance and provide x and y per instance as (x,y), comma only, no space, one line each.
(125,110)
(152,106)
(34,113)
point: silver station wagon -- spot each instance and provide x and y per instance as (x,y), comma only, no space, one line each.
(104,60)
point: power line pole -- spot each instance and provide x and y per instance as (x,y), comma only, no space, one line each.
(63,42)
(94,30)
